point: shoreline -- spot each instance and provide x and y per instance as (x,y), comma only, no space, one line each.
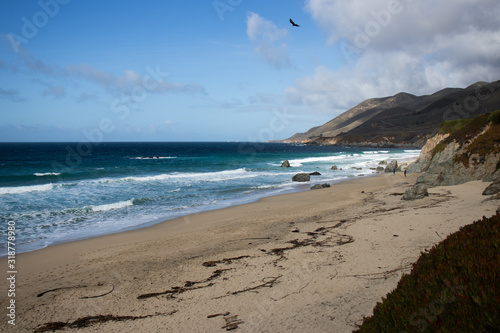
(298,188)
(177,222)
(317,260)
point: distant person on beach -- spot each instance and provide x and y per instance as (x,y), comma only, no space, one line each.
(405,172)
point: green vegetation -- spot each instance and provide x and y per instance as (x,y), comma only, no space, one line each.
(494,117)
(464,131)
(471,130)
(455,287)
(450,126)
(487,143)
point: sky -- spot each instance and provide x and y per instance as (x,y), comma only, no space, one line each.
(226,70)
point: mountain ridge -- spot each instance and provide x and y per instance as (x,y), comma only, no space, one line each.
(402,120)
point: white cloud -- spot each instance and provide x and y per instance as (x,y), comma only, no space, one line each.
(260,28)
(392,23)
(267,37)
(400,45)
(326,91)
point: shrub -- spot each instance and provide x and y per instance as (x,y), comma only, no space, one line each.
(487,143)
(450,126)
(469,131)
(495,117)
(455,287)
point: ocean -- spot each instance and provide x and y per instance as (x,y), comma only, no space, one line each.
(61,192)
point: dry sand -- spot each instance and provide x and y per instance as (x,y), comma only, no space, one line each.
(315,261)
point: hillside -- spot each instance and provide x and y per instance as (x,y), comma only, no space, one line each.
(402,120)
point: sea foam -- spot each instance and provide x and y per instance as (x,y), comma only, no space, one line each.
(26,189)
(300,161)
(116,205)
(153,157)
(184,176)
(38,174)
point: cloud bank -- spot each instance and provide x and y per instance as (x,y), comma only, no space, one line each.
(400,45)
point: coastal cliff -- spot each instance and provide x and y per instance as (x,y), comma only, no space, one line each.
(403,120)
(463,150)
(424,160)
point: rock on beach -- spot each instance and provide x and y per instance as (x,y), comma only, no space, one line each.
(301,177)
(418,191)
(392,167)
(320,186)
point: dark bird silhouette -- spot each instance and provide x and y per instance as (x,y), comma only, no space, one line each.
(294,24)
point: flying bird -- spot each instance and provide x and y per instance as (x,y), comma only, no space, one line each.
(294,24)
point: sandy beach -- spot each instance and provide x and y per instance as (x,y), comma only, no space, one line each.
(313,261)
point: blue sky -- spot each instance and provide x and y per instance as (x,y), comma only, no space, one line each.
(74,70)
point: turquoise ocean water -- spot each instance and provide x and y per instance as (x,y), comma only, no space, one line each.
(59,192)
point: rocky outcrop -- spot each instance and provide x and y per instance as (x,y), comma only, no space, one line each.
(494,177)
(417,191)
(469,153)
(315,173)
(320,186)
(493,188)
(334,168)
(392,166)
(380,169)
(285,164)
(443,170)
(424,160)
(301,177)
